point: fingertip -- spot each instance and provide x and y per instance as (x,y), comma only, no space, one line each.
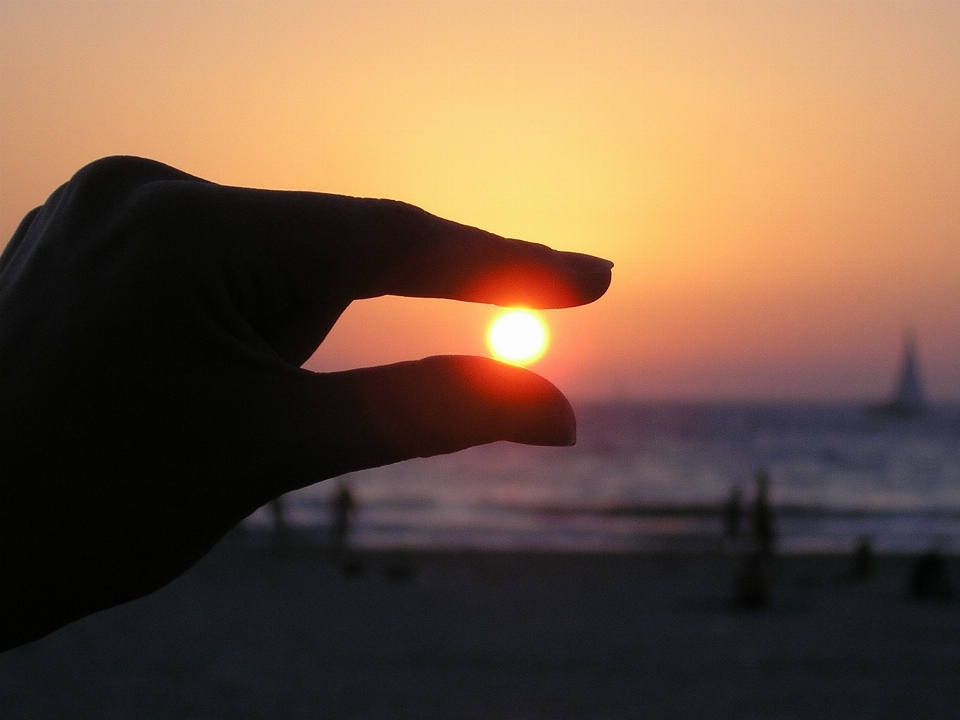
(594,281)
(447,403)
(588,264)
(523,406)
(562,281)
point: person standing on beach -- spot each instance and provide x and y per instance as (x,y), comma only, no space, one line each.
(764,533)
(343,505)
(751,590)
(863,559)
(153,326)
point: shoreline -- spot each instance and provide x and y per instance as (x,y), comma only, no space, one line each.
(706,542)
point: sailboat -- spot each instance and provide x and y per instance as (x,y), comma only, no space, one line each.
(907,400)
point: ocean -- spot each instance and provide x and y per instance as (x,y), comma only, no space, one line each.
(654,476)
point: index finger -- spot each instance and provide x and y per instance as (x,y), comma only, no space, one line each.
(360,248)
(407,251)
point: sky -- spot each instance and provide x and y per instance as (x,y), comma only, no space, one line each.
(778,183)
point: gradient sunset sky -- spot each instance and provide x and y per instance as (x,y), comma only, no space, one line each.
(777,182)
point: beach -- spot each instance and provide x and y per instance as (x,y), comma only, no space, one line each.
(256,631)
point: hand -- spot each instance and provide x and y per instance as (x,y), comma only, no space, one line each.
(152,329)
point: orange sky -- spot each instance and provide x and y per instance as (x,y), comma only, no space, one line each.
(778,183)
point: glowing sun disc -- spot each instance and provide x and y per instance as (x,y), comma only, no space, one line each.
(519,337)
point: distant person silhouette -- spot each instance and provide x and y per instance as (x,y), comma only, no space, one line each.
(732,514)
(863,559)
(764,533)
(344,506)
(152,331)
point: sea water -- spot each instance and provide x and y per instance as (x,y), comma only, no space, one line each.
(654,476)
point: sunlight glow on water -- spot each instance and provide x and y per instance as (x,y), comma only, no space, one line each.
(836,474)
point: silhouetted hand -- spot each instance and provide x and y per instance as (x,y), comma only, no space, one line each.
(152,328)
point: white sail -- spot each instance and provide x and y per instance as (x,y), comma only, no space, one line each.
(907,401)
(909,391)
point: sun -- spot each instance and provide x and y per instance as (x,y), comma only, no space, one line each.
(518,336)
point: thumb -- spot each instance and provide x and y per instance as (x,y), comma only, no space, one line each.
(375,416)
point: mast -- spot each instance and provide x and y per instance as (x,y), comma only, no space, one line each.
(909,393)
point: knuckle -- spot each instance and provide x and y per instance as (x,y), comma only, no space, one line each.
(113,185)
(105,182)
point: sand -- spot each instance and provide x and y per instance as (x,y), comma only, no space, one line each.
(254,632)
